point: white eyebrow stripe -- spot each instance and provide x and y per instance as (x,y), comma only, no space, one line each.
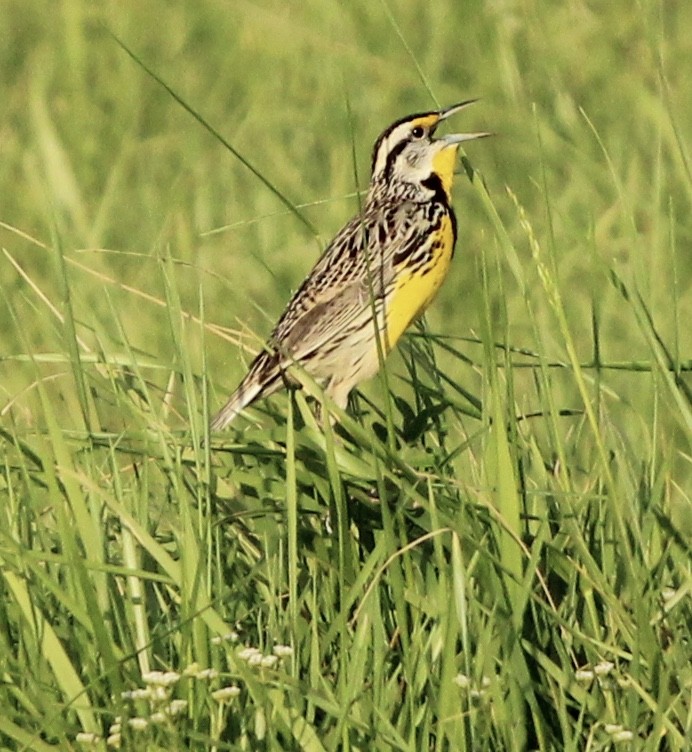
(399,133)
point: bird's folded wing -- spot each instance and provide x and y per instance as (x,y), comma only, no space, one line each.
(329,314)
(330,321)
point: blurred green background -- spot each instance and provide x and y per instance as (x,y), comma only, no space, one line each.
(590,102)
(541,474)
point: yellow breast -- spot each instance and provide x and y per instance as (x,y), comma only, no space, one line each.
(416,288)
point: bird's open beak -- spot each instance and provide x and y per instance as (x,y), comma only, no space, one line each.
(457,138)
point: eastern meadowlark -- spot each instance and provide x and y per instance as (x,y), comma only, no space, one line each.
(378,274)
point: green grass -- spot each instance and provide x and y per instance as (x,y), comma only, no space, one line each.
(493,553)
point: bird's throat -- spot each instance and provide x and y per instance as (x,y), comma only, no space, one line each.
(444,163)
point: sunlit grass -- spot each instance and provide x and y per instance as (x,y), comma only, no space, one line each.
(494,552)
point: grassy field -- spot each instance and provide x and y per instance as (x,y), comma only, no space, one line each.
(493,551)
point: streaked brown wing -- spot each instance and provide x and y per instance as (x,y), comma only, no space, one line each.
(336,298)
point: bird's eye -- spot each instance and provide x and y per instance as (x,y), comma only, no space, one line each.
(418,132)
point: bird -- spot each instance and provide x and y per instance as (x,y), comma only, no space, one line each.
(378,274)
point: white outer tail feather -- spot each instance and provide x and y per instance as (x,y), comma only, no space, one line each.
(237,402)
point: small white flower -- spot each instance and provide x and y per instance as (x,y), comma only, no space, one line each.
(283,651)
(159,693)
(177,707)
(225,693)
(207,673)
(191,670)
(115,728)
(161,678)
(246,653)
(603,668)
(228,637)
(612,728)
(158,718)
(584,675)
(255,659)
(87,737)
(623,736)
(138,724)
(463,681)
(114,741)
(269,661)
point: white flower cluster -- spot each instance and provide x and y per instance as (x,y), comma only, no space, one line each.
(255,657)
(604,673)
(617,733)
(226,694)
(475,692)
(159,685)
(157,689)
(600,671)
(229,637)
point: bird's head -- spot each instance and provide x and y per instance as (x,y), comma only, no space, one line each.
(407,151)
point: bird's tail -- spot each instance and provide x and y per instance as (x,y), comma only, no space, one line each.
(262,379)
(247,392)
